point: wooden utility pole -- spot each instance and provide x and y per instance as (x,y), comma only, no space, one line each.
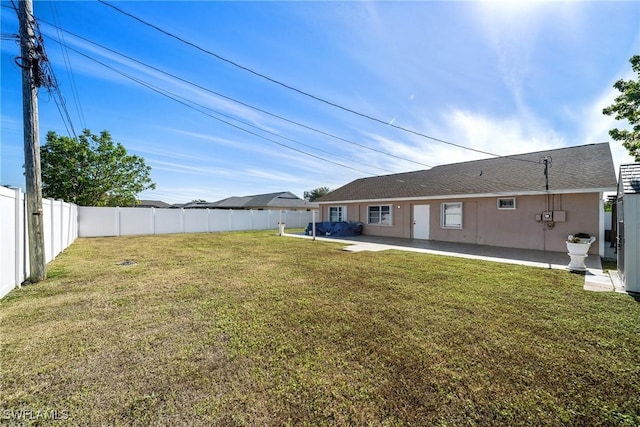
(30,74)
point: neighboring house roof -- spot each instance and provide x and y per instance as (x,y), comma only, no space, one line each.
(152,204)
(281,200)
(630,179)
(231,202)
(220,204)
(573,169)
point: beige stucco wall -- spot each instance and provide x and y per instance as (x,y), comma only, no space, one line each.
(483,223)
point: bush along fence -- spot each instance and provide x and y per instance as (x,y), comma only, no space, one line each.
(60,230)
(99,222)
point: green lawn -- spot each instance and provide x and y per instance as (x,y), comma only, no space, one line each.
(255,329)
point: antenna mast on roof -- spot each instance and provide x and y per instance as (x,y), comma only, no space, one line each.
(547,164)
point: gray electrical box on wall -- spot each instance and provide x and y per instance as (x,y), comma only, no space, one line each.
(560,216)
(547,216)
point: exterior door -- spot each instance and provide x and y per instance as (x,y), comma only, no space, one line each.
(421,222)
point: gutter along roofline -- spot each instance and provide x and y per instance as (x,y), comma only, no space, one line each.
(473,196)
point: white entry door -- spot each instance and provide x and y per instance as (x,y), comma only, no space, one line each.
(421,222)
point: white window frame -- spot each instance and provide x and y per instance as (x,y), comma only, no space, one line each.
(510,208)
(443,215)
(387,223)
(342,213)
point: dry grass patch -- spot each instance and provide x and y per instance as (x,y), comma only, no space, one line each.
(255,329)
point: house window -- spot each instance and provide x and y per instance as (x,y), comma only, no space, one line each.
(451,215)
(380,215)
(337,213)
(507,203)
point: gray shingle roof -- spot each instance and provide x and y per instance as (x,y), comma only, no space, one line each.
(281,200)
(285,199)
(153,204)
(572,168)
(630,178)
(231,202)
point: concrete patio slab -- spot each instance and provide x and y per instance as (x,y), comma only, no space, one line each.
(595,278)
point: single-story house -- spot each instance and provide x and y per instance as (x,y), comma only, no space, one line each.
(529,201)
(274,201)
(628,217)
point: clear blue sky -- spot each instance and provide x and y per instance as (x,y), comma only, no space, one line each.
(501,77)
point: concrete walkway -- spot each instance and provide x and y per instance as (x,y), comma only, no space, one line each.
(595,278)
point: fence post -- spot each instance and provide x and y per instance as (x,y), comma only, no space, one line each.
(117,212)
(313,224)
(153,220)
(18,239)
(61,225)
(69,220)
(73,222)
(52,238)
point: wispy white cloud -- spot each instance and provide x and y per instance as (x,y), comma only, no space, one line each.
(495,77)
(188,169)
(511,29)
(271,175)
(234,143)
(10,123)
(501,135)
(476,131)
(179,87)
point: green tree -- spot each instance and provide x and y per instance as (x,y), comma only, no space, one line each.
(608,206)
(627,106)
(316,193)
(92,170)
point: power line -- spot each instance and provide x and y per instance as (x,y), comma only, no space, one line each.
(287,86)
(176,99)
(241,102)
(268,131)
(281,136)
(67,63)
(43,73)
(49,81)
(190,104)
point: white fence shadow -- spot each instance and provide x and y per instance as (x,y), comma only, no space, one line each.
(60,226)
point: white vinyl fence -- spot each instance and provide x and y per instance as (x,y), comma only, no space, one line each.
(99,222)
(60,230)
(64,222)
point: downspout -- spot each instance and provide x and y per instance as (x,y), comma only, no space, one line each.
(601,224)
